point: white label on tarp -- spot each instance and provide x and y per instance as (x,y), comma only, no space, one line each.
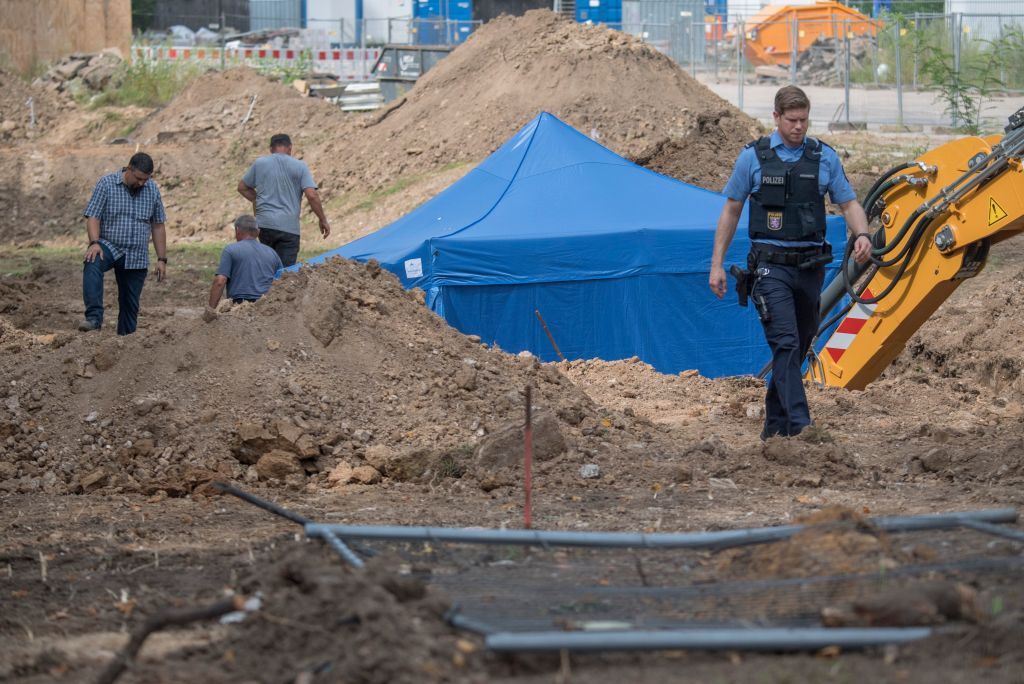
(413,268)
(595,3)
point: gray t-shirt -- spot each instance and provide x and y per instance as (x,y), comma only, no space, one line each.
(279,181)
(249,266)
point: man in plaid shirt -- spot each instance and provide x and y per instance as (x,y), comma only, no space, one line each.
(124,211)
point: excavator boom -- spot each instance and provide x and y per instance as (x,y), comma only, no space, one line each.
(939,215)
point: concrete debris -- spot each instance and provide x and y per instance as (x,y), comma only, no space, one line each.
(83,74)
(823,63)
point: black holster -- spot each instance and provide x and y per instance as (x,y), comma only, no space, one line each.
(744,282)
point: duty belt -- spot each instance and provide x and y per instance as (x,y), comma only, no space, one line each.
(806,257)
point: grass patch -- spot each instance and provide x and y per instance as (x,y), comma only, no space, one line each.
(20,261)
(116,123)
(147,84)
(310,252)
(399,185)
(377,195)
(199,259)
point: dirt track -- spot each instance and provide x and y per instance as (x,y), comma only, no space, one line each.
(341,397)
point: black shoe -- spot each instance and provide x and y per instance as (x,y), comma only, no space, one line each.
(87,326)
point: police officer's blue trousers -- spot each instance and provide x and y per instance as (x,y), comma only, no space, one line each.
(792,297)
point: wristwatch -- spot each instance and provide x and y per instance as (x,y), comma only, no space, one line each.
(93,242)
(163,259)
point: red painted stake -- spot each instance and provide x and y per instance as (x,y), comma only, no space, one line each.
(528,461)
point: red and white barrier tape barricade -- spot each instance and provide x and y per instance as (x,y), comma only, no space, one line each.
(349,65)
(353,64)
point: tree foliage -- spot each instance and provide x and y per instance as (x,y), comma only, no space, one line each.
(143,12)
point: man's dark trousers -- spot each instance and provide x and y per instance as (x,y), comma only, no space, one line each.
(792,297)
(285,244)
(129,290)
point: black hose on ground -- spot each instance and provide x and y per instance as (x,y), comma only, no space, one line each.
(277,510)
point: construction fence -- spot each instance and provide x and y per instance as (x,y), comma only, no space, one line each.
(908,49)
(290,30)
(967,58)
(351,65)
(963,59)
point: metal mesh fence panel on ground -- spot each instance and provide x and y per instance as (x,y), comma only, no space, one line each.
(836,579)
(514,589)
(833,573)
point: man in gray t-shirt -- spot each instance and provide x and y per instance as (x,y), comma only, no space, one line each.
(247,268)
(276,184)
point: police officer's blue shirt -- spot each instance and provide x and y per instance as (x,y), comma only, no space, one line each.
(746,177)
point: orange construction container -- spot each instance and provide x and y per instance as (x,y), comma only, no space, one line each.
(771,33)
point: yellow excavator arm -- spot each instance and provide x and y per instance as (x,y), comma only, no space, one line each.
(938,217)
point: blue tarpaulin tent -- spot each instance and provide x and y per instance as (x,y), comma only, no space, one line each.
(614,257)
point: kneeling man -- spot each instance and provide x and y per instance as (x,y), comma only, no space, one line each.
(247,268)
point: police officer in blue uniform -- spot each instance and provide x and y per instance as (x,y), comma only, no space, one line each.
(786,176)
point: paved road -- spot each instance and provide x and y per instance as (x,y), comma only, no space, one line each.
(876,107)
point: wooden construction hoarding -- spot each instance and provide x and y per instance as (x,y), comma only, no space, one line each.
(36,32)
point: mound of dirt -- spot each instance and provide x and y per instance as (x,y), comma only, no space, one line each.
(459,112)
(198,143)
(836,541)
(16,113)
(614,87)
(911,424)
(216,104)
(970,337)
(320,618)
(337,376)
(25,170)
(705,154)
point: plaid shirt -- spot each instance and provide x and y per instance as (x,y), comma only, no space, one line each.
(126,220)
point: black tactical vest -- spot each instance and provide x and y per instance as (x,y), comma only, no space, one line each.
(787,206)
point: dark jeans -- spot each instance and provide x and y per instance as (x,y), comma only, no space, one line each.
(129,291)
(285,244)
(792,297)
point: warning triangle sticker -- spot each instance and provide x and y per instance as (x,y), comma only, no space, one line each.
(995,212)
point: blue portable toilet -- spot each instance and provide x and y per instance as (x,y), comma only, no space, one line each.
(615,257)
(607,12)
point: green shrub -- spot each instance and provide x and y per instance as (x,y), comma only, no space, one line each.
(964,82)
(301,68)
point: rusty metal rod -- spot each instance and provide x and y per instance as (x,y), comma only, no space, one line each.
(550,336)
